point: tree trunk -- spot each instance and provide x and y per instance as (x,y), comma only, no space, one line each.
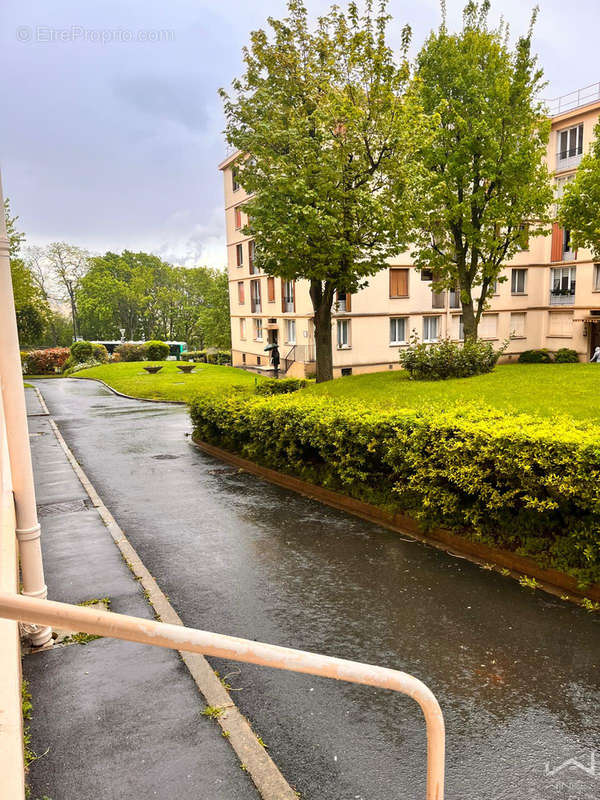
(322,298)
(74,316)
(469,320)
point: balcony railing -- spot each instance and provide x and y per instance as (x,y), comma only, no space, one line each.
(562,297)
(569,159)
(572,100)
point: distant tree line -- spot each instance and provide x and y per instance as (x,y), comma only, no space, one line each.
(62,292)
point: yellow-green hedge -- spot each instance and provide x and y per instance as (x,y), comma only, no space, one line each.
(529,485)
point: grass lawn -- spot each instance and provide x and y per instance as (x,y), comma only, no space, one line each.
(169,384)
(540,389)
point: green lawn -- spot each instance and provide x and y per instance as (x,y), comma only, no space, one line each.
(169,384)
(541,389)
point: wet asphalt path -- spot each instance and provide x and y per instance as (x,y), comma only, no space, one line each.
(516,673)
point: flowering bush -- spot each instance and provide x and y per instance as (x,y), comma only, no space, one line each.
(448,359)
(91,362)
(45,362)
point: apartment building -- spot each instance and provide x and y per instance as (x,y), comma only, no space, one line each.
(550,298)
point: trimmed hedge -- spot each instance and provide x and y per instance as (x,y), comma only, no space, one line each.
(156,351)
(528,485)
(279,386)
(81,351)
(194,355)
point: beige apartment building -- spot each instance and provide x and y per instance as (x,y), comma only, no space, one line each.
(550,298)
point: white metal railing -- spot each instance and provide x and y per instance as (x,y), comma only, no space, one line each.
(177,637)
(572,100)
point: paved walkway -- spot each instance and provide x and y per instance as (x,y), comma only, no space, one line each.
(111,719)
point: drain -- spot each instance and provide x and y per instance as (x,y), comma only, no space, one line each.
(65,507)
(164,457)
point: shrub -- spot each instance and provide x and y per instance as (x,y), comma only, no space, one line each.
(224,357)
(156,351)
(535,357)
(194,355)
(282,386)
(81,351)
(566,356)
(448,359)
(212,358)
(99,353)
(129,351)
(88,364)
(518,482)
(45,362)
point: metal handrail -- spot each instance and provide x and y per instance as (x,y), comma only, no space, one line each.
(177,637)
(576,99)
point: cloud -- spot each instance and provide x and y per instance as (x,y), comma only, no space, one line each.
(173,99)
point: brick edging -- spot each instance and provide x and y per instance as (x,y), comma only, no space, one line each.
(551,580)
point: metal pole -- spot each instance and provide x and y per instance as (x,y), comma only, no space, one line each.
(13,396)
(161,634)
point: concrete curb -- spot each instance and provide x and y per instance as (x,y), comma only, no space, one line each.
(260,766)
(129,396)
(550,580)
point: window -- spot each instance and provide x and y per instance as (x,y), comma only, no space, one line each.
(255,304)
(238,217)
(488,326)
(518,320)
(430,329)
(398,283)
(570,143)
(258,361)
(562,285)
(242,328)
(241,296)
(560,323)
(288,296)
(523,236)
(344,303)
(243,358)
(258,330)
(346,371)
(597,277)
(343,334)
(239,255)
(271,290)
(460,327)
(398,330)
(454,298)
(251,254)
(426,274)
(290,331)
(438,299)
(235,184)
(518,281)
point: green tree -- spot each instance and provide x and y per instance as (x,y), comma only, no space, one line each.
(579,209)
(213,326)
(31,309)
(320,117)
(481,177)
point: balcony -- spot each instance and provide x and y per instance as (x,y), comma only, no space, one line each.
(562,297)
(568,159)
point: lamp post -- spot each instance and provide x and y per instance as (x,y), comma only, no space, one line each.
(13,396)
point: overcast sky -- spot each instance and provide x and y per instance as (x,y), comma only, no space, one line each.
(115,144)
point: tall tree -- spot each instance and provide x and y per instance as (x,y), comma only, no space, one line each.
(481,177)
(579,209)
(213,326)
(31,309)
(320,118)
(68,264)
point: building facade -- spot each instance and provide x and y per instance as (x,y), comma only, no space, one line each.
(550,298)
